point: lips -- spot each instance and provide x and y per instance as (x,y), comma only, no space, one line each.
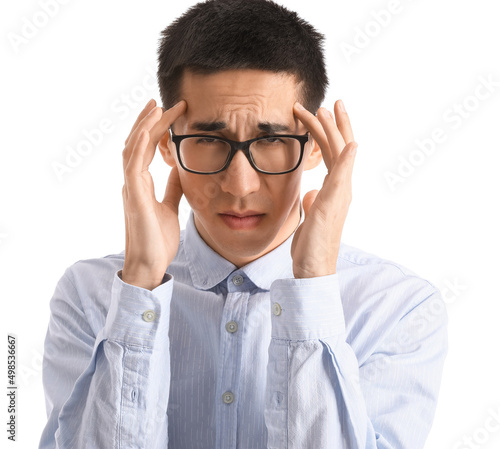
(247,213)
(242,221)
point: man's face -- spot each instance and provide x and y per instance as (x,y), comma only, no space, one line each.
(240,213)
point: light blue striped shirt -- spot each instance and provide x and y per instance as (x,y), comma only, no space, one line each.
(248,358)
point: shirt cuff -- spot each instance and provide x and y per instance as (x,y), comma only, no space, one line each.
(138,316)
(306,309)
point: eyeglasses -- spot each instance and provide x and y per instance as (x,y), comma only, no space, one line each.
(271,155)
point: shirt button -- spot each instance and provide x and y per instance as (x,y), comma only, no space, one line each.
(228,397)
(232,326)
(276,309)
(237,280)
(149,315)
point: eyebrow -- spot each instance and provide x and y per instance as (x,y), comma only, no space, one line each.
(208,126)
(273,128)
(267,127)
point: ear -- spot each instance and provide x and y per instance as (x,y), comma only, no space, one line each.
(314,157)
(167,149)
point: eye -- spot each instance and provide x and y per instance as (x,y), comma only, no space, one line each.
(206,140)
(271,139)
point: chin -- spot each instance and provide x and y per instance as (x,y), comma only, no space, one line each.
(244,247)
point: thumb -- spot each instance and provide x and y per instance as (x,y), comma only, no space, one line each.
(173,191)
(308,200)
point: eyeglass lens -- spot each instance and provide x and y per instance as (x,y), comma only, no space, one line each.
(273,155)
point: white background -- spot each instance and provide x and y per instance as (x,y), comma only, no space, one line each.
(441,221)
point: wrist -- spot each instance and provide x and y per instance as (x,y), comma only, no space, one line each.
(139,278)
(313,272)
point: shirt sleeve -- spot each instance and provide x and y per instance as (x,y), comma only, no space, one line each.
(110,389)
(319,395)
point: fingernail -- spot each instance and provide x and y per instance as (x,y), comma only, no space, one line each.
(150,102)
(300,107)
(341,105)
(325,112)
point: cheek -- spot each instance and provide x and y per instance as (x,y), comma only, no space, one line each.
(199,190)
(285,191)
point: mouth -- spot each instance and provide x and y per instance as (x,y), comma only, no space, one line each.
(243,221)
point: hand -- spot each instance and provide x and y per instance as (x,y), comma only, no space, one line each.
(316,242)
(152,229)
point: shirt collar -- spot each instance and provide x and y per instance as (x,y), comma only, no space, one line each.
(208,268)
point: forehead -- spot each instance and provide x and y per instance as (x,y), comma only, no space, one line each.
(236,96)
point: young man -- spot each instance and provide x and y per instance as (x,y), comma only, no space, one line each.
(255,327)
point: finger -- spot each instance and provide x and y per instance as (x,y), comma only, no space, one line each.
(343,121)
(308,200)
(316,129)
(147,109)
(173,191)
(339,180)
(134,165)
(335,139)
(160,128)
(156,126)
(168,117)
(146,124)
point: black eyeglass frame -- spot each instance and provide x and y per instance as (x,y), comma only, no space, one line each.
(236,146)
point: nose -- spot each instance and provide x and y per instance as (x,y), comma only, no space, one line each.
(240,178)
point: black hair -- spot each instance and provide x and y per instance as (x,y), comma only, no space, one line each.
(218,35)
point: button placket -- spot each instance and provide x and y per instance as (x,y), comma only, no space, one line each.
(231,325)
